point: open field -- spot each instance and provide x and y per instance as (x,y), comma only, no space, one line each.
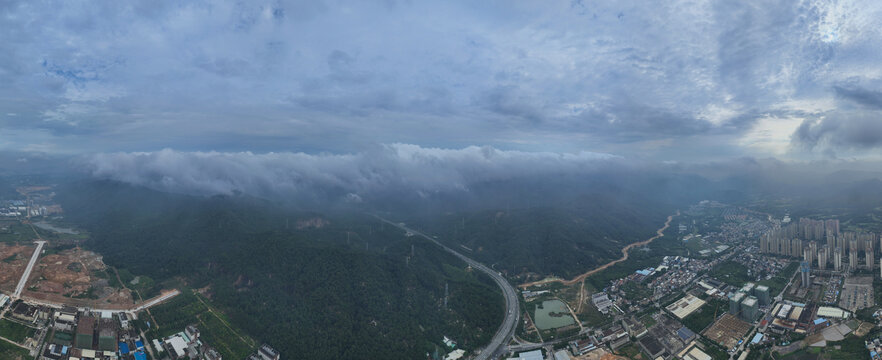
(16,232)
(15,331)
(12,352)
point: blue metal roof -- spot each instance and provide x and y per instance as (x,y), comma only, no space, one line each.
(684,333)
(140,356)
(757,338)
(123,348)
(139,344)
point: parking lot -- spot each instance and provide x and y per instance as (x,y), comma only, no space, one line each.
(857,293)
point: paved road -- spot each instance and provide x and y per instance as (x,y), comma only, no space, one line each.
(497,346)
(156,300)
(133,311)
(27,272)
(625,251)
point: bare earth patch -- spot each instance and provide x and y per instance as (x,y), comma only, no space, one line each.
(75,276)
(13,259)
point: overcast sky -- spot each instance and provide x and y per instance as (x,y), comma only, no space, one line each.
(658,80)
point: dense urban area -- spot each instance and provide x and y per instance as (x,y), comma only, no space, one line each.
(723,282)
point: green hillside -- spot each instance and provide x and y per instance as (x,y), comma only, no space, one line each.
(347,289)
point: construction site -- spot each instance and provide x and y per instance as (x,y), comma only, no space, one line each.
(727,331)
(13,260)
(76,276)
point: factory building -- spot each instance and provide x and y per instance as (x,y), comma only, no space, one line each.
(268,353)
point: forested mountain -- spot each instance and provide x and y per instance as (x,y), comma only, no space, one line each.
(321,286)
(566,225)
(334,282)
(562,241)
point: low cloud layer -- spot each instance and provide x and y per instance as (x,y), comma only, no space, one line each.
(410,175)
(407,168)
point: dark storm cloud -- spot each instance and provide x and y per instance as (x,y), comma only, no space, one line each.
(869,98)
(842,130)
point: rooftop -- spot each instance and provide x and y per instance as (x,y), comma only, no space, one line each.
(685,306)
(531,355)
(268,350)
(651,344)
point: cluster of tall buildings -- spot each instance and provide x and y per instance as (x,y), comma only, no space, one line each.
(820,243)
(745,302)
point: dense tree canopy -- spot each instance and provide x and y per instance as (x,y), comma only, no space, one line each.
(319,286)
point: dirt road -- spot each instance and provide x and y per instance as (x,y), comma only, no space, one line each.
(659,233)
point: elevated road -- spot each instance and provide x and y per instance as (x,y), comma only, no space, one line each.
(498,344)
(27,272)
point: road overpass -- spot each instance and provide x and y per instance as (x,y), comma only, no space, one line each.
(498,344)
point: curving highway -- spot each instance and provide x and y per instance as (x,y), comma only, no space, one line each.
(497,346)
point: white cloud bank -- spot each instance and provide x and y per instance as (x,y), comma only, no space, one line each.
(383,168)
